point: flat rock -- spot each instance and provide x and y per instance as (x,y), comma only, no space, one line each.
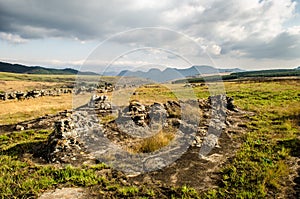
(65,193)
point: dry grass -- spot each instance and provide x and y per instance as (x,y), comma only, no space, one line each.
(17,111)
(159,93)
(8,86)
(155,142)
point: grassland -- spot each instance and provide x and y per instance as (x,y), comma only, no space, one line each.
(160,93)
(53,78)
(260,169)
(262,165)
(10,86)
(16,111)
(261,74)
(36,78)
(12,112)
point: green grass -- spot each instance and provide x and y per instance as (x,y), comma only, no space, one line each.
(260,166)
(32,77)
(128,191)
(9,140)
(24,179)
(242,75)
(53,78)
(21,178)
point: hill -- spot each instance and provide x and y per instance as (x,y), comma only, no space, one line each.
(18,68)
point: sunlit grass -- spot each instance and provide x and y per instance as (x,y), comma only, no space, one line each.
(260,166)
(155,142)
(16,111)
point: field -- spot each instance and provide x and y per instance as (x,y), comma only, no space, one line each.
(265,165)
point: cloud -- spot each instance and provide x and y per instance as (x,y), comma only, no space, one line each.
(248,28)
(13,38)
(214,49)
(284,46)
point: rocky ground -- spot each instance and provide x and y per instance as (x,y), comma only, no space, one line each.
(201,172)
(220,122)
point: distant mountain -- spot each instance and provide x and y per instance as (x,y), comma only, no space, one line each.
(18,68)
(115,70)
(174,73)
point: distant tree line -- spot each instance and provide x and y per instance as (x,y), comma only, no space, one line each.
(239,75)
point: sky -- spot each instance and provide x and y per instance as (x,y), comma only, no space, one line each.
(99,35)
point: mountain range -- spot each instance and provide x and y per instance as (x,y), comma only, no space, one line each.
(174,73)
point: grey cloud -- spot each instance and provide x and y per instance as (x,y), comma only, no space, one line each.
(233,25)
(284,46)
(82,19)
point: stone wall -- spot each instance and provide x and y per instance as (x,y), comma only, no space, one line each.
(21,95)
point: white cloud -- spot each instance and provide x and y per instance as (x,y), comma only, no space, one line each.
(12,38)
(214,49)
(182,14)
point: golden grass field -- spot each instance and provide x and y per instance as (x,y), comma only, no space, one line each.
(17,111)
(9,86)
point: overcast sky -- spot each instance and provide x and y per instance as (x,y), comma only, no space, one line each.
(249,34)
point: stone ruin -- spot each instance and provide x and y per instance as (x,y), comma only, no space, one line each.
(64,144)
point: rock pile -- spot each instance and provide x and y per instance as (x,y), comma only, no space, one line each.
(103,88)
(138,113)
(215,111)
(99,102)
(143,115)
(63,145)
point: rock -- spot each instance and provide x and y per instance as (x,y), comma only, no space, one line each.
(3,96)
(154,163)
(230,104)
(19,128)
(99,102)
(20,95)
(209,142)
(138,113)
(65,193)
(158,114)
(173,109)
